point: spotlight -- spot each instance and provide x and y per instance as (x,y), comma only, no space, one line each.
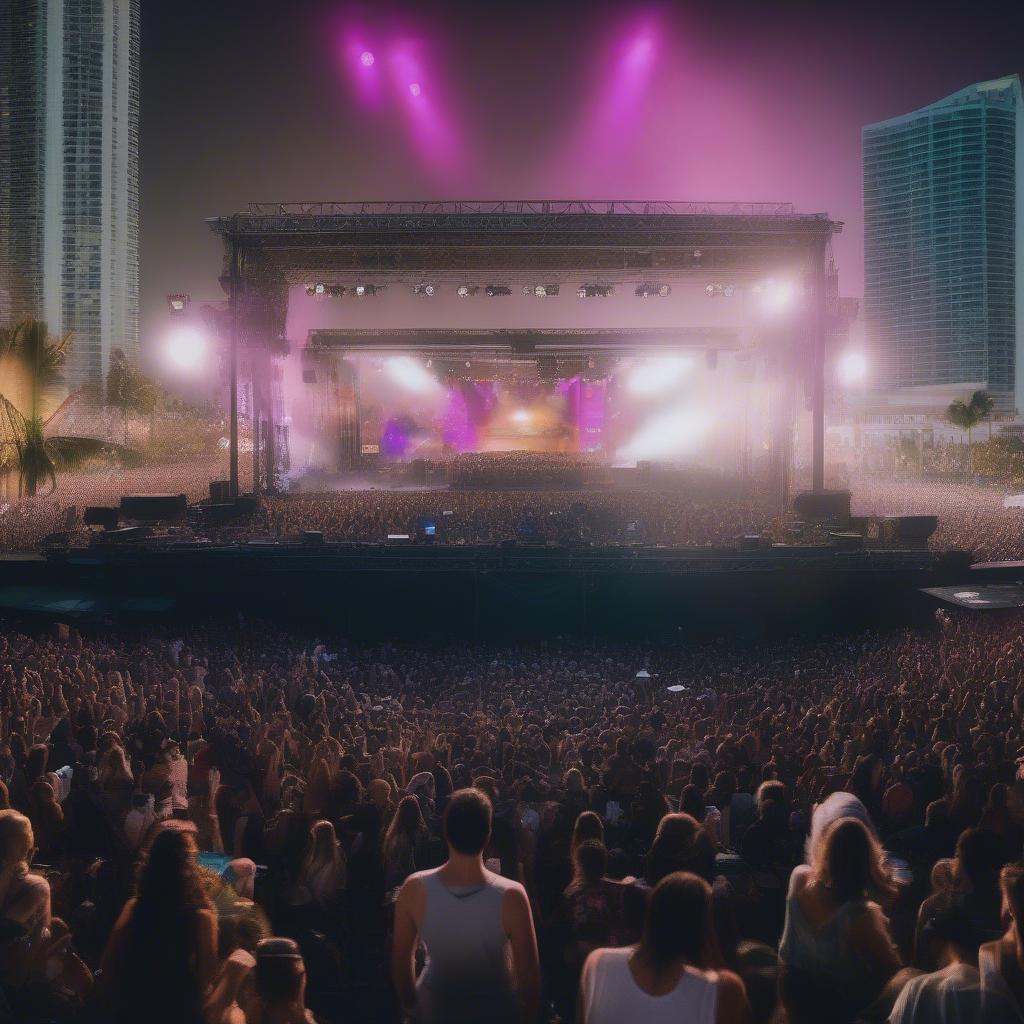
(497,289)
(590,291)
(776,295)
(414,89)
(362,290)
(659,374)
(311,289)
(541,291)
(852,368)
(430,290)
(177,304)
(713,290)
(521,416)
(186,348)
(464,291)
(366,59)
(645,290)
(319,288)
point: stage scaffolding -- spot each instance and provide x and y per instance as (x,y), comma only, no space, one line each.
(273,246)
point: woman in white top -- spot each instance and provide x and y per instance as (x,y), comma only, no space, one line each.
(671,975)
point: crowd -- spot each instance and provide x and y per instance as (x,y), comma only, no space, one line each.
(522,469)
(971,517)
(238,824)
(490,517)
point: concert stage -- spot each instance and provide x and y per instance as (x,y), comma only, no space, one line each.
(396,590)
(634,330)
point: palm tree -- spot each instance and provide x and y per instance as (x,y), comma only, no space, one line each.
(966,415)
(29,347)
(985,404)
(130,390)
(24,446)
(37,459)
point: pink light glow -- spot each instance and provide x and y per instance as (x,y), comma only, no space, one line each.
(414,89)
(366,59)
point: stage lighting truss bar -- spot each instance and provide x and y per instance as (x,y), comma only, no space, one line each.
(546,207)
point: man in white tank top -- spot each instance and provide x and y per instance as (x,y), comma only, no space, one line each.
(482,963)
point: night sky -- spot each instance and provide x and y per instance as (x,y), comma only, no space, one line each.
(255,101)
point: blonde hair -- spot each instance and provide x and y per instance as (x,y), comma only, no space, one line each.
(16,838)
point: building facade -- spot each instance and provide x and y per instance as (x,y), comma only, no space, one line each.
(943,244)
(69,174)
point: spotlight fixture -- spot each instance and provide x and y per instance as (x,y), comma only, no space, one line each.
(719,289)
(177,304)
(590,291)
(366,58)
(541,291)
(643,291)
(362,290)
(319,288)
(311,289)
(464,291)
(430,290)
(497,289)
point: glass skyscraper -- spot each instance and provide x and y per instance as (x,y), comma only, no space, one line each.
(943,216)
(69,174)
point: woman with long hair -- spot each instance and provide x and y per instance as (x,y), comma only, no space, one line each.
(404,835)
(836,945)
(673,974)
(323,866)
(24,897)
(162,953)
(588,828)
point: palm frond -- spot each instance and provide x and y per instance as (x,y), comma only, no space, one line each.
(70,453)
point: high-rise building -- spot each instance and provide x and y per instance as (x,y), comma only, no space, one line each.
(69,174)
(944,244)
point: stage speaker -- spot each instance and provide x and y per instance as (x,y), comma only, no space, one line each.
(151,508)
(846,540)
(100,515)
(125,534)
(219,512)
(823,507)
(418,471)
(246,504)
(220,491)
(909,529)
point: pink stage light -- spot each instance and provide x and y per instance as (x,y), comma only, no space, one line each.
(414,89)
(366,59)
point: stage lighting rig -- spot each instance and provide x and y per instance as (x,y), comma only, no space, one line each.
(718,289)
(465,291)
(335,291)
(644,291)
(590,291)
(177,304)
(362,290)
(541,291)
(429,290)
(493,290)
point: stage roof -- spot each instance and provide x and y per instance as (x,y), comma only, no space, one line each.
(329,240)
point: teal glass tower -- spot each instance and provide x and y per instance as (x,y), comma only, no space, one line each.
(943,248)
